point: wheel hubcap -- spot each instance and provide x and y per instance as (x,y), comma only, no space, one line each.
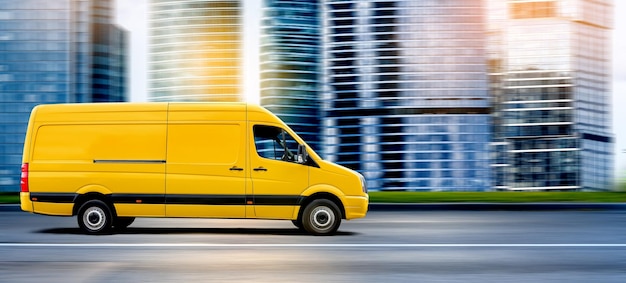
(323,218)
(94,218)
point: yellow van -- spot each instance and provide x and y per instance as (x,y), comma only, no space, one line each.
(108,163)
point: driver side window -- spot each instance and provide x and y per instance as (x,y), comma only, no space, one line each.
(274,143)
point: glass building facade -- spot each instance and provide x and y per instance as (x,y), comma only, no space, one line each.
(405,93)
(553,83)
(108,55)
(195,50)
(291,65)
(496,22)
(53,52)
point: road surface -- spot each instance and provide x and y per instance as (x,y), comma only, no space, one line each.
(386,246)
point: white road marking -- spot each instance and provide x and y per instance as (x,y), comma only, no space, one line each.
(209,245)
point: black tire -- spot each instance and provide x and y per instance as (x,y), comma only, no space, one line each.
(121,223)
(95,217)
(321,217)
(297,223)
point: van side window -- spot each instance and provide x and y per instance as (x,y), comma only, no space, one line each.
(274,143)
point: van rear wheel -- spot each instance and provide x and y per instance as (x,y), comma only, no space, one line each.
(321,217)
(95,217)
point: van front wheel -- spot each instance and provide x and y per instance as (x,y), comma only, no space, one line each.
(94,217)
(321,217)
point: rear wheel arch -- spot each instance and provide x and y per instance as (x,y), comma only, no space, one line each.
(83,198)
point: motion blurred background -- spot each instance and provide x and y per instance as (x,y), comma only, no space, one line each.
(452,95)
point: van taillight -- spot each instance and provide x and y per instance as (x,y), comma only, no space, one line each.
(24,178)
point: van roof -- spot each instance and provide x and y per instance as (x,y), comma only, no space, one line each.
(144,106)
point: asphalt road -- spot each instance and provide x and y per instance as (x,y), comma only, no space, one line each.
(391,246)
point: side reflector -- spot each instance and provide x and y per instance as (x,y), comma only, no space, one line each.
(24,178)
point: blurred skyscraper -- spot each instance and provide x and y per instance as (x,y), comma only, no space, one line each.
(291,65)
(405,97)
(195,50)
(551,75)
(107,50)
(496,20)
(53,52)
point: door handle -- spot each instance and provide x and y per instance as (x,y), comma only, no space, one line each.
(235,168)
(260,169)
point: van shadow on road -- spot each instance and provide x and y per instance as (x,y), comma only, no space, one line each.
(181,231)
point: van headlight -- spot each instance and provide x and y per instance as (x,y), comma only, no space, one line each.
(363,183)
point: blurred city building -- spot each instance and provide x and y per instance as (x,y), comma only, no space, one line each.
(550,71)
(291,65)
(107,49)
(496,20)
(195,50)
(54,52)
(405,98)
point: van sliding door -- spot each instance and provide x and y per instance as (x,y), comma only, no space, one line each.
(205,170)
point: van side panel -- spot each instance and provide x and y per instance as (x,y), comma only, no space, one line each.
(206,166)
(74,151)
(99,142)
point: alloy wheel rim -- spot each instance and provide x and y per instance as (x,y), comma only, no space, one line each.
(94,218)
(323,218)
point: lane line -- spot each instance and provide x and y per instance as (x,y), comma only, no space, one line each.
(209,245)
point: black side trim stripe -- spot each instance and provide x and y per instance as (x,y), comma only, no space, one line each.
(53,197)
(198,199)
(277,200)
(206,199)
(138,198)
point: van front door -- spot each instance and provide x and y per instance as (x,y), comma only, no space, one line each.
(277,180)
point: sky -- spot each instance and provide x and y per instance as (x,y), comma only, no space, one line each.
(133,16)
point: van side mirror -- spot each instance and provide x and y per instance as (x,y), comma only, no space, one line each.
(303,155)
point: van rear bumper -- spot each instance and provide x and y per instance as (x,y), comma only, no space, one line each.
(25,203)
(356,206)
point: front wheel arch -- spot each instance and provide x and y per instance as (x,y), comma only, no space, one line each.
(327,196)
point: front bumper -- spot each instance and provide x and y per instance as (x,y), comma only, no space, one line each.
(356,206)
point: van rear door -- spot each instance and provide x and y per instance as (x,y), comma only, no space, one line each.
(205,171)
